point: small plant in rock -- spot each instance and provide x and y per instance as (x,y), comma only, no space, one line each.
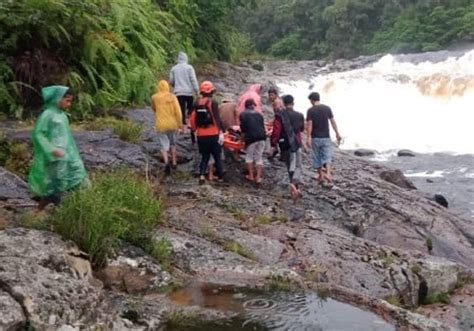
(128,131)
(323,292)
(387,259)
(282,283)
(394,300)
(33,220)
(100,123)
(162,250)
(180,318)
(263,219)
(237,213)
(416,269)
(234,246)
(282,219)
(15,156)
(429,244)
(437,297)
(207,231)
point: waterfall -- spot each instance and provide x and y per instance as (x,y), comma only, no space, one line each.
(423,102)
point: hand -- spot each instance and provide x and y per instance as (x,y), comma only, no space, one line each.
(221,139)
(339,138)
(308,143)
(58,153)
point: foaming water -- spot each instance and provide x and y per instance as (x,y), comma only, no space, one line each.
(276,311)
(421,105)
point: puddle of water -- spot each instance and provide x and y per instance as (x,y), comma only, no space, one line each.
(276,311)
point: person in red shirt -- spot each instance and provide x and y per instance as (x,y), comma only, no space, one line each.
(206,122)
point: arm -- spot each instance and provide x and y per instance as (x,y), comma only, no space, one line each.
(334,127)
(41,140)
(193,79)
(309,130)
(177,111)
(192,119)
(217,115)
(172,77)
(277,128)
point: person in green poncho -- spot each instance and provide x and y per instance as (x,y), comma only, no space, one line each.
(57,166)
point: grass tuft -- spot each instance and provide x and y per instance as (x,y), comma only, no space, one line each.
(437,297)
(128,131)
(161,250)
(117,206)
(263,219)
(237,248)
(394,300)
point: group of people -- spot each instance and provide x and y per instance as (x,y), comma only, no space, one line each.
(208,122)
(57,166)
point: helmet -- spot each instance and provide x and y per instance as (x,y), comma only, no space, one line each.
(207,87)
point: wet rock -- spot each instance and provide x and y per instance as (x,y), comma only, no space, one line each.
(364,152)
(209,262)
(11,314)
(13,191)
(397,177)
(104,150)
(52,291)
(440,199)
(133,272)
(406,152)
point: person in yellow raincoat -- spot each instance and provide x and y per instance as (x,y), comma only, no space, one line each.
(57,166)
(168,120)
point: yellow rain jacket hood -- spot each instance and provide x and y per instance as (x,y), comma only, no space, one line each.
(166,107)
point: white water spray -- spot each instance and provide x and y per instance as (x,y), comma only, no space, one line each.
(427,107)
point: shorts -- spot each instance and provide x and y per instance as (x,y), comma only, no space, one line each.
(167,139)
(322,151)
(254,152)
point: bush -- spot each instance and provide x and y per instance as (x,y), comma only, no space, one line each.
(128,131)
(116,206)
(15,156)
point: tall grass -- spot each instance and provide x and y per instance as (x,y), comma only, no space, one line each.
(116,206)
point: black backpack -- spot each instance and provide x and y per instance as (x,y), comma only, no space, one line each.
(204,116)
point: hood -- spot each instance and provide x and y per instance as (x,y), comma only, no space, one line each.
(53,94)
(182,57)
(257,88)
(163,87)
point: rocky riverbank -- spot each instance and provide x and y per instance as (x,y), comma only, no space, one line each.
(369,240)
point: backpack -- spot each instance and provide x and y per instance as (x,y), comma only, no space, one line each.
(204,116)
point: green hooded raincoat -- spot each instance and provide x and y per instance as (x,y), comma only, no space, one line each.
(50,174)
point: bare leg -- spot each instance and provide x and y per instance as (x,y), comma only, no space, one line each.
(42,205)
(250,175)
(174,160)
(258,177)
(211,172)
(328,175)
(164,154)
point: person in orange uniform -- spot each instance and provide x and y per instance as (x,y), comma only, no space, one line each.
(206,121)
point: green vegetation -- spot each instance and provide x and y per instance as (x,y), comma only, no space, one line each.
(15,156)
(263,219)
(161,250)
(128,131)
(308,29)
(282,283)
(181,318)
(438,297)
(109,51)
(234,246)
(387,259)
(117,206)
(323,292)
(429,244)
(394,300)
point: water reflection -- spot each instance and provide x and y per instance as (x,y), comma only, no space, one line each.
(279,311)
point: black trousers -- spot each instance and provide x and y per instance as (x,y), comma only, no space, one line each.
(186,104)
(210,146)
